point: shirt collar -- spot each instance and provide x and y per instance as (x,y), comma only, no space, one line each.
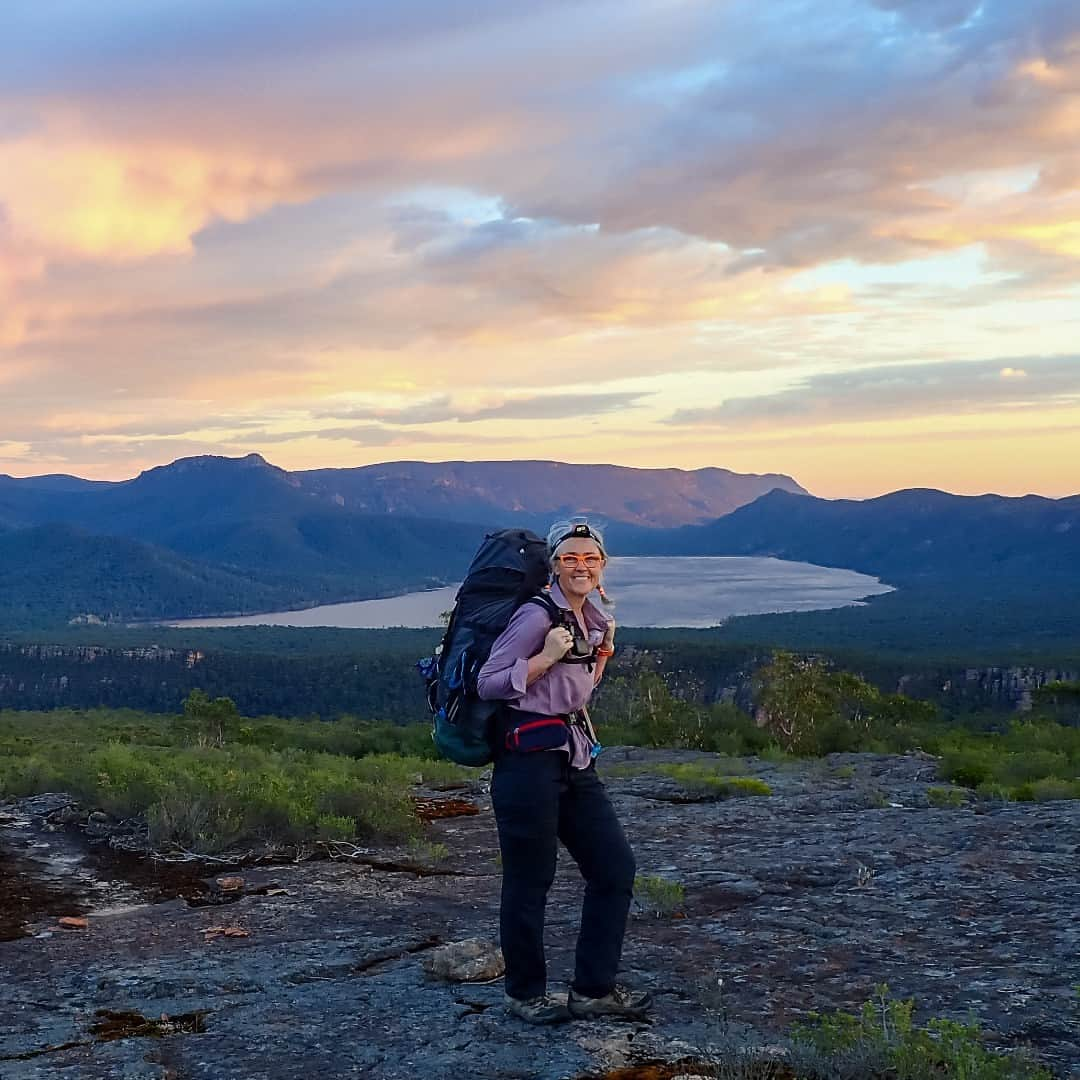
(594,618)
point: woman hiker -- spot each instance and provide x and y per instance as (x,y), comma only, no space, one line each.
(545,789)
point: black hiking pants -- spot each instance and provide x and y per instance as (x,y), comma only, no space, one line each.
(538,801)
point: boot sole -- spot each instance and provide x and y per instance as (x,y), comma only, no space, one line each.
(605,1014)
(557,1018)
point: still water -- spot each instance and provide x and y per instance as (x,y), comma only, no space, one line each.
(679,591)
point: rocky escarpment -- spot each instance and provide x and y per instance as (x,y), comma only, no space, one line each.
(843,878)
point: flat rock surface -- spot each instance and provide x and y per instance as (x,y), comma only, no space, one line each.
(843,878)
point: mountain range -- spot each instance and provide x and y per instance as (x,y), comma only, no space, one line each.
(213,535)
(210,535)
(916,535)
(534,493)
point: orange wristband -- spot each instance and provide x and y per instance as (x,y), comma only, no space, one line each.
(601,651)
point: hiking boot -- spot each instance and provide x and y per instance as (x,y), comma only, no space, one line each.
(621,1002)
(538,1010)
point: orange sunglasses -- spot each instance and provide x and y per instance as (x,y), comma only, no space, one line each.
(590,562)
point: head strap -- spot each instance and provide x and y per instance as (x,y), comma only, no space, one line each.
(579,531)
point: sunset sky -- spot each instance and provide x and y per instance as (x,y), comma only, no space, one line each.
(838,239)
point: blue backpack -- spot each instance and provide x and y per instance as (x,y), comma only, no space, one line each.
(510,569)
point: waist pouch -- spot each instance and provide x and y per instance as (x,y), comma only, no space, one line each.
(529,732)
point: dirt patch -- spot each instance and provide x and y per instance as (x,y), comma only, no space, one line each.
(157,881)
(26,896)
(689,1069)
(436,809)
(111,1024)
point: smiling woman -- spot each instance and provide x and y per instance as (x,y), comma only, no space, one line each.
(545,789)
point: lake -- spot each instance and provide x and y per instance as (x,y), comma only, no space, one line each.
(659,592)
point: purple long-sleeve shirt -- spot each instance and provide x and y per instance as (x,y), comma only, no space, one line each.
(562,688)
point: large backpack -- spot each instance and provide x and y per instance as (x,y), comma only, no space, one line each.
(510,569)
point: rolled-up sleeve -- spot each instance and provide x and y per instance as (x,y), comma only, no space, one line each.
(503,676)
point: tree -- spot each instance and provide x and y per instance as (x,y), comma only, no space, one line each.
(213,720)
(810,709)
(795,697)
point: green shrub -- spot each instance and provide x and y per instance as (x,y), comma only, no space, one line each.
(704,777)
(747,785)
(333,827)
(968,767)
(657,895)
(729,766)
(1034,764)
(811,709)
(881,1042)
(429,852)
(640,710)
(29,775)
(194,818)
(994,792)
(1051,788)
(1029,756)
(209,797)
(939,796)
(777,755)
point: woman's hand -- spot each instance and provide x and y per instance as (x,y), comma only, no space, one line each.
(557,644)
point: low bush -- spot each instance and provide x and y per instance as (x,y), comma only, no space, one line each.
(939,796)
(209,785)
(708,778)
(428,852)
(1047,790)
(1035,759)
(640,710)
(969,766)
(658,896)
(333,827)
(881,1042)
(807,709)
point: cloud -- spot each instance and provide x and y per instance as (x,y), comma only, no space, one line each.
(443,409)
(820,134)
(324,292)
(359,434)
(72,195)
(165,424)
(932,14)
(63,454)
(250,209)
(121,45)
(557,407)
(820,129)
(903,390)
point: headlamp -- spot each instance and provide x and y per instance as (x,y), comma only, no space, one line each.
(579,531)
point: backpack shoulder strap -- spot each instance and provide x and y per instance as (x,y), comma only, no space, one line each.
(555,612)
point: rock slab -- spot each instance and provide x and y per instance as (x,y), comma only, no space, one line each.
(843,878)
